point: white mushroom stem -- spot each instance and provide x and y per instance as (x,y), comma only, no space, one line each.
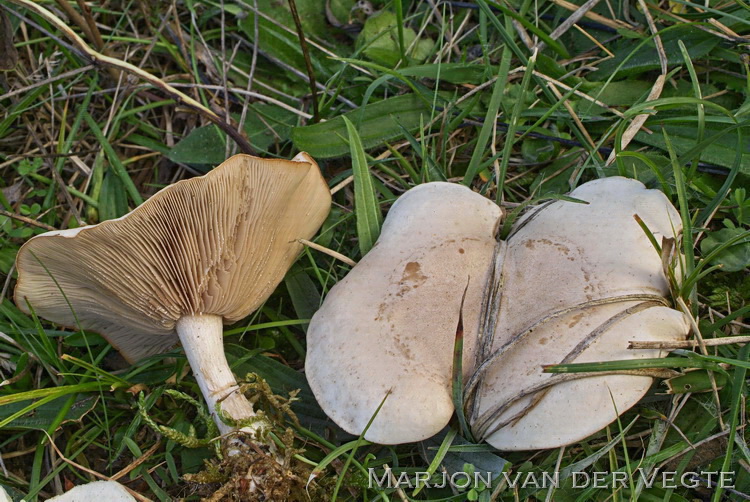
(202,339)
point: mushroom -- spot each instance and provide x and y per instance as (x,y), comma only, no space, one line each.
(580,281)
(388,328)
(198,254)
(575,282)
(109,491)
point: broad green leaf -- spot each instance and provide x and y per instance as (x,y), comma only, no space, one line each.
(380,122)
(453,73)
(733,259)
(721,152)
(10,312)
(366,208)
(695,381)
(622,93)
(203,146)
(645,58)
(113,201)
(304,294)
(114,160)
(265,125)
(43,416)
(379,40)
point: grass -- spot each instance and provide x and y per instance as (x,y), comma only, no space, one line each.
(458,92)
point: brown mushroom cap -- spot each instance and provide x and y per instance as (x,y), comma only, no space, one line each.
(218,244)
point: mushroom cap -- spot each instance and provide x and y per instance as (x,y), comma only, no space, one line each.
(560,257)
(390,324)
(217,244)
(109,491)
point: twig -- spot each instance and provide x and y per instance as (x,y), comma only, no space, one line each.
(308,63)
(86,23)
(92,472)
(137,461)
(615,24)
(568,23)
(342,184)
(108,61)
(329,252)
(46,81)
(688,344)
(250,94)
(24,219)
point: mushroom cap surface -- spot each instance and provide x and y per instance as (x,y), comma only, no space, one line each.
(217,244)
(390,324)
(104,491)
(563,259)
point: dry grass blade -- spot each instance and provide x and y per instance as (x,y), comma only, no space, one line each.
(656,90)
(572,20)
(26,220)
(689,344)
(615,24)
(329,252)
(134,70)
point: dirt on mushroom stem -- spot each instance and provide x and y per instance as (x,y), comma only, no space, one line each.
(260,473)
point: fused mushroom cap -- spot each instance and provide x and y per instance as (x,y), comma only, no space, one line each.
(564,255)
(390,324)
(218,244)
(574,283)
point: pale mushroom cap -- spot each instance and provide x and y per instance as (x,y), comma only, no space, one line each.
(102,491)
(218,244)
(391,323)
(573,410)
(564,255)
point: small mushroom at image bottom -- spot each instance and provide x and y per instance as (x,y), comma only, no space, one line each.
(199,254)
(574,282)
(104,491)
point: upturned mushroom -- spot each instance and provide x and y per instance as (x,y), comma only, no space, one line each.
(574,283)
(201,253)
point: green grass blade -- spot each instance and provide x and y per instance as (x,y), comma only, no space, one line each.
(510,136)
(490,118)
(738,384)
(114,161)
(366,206)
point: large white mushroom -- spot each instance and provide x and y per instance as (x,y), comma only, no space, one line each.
(390,325)
(198,254)
(575,283)
(579,282)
